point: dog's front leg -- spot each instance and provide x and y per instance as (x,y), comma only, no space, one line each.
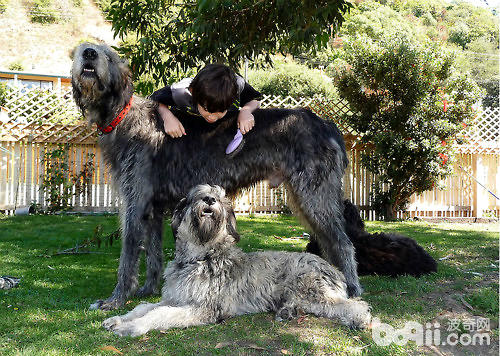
(135,225)
(163,318)
(154,254)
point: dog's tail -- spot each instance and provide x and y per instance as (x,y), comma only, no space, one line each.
(382,253)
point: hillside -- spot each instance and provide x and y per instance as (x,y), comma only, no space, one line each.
(45,48)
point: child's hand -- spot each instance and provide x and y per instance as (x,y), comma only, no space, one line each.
(246,121)
(171,124)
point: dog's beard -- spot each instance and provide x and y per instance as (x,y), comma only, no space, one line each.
(91,88)
(207,226)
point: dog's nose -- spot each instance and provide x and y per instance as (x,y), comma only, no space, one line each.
(209,200)
(89,53)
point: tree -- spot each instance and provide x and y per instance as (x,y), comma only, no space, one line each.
(176,35)
(408,105)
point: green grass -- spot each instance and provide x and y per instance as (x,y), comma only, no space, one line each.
(48,314)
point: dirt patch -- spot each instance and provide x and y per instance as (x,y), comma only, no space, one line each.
(462,330)
(46,48)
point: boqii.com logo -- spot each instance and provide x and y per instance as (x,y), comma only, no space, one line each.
(465,332)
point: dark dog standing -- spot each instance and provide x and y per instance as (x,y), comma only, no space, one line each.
(154,171)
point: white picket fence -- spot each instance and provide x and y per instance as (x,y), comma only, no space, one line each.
(34,121)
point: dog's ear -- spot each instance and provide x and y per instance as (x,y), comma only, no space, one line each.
(177,216)
(231,224)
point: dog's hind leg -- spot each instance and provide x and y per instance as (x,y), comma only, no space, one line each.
(321,206)
(353,313)
(154,254)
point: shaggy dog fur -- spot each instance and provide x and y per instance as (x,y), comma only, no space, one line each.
(153,171)
(211,279)
(382,253)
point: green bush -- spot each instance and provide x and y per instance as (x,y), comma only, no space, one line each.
(57,182)
(3,5)
(376,21)
(491,99)
(408,105)
(3,94)
(104,5)
(428,19)
(43,11)
(292,79)
(16,66)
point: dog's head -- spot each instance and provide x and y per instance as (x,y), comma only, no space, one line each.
(204,217)
(97,72)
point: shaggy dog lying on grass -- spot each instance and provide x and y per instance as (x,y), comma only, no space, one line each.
(211,279)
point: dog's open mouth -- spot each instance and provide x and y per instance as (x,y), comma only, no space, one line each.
(207,212)
(88,71)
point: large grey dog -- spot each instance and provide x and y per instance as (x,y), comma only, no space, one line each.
(153,171)
(211,279)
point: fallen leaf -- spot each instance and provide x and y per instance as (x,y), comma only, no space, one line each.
(302,319)
(285,352)
(111,348)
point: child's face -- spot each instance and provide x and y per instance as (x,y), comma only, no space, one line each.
(210,117)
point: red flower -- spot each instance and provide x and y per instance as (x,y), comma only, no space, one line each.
(443,143)
(443,157)
(445,105)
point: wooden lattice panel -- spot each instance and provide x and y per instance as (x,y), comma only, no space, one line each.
(483,135)
(47,116)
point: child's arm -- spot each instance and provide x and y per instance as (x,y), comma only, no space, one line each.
(246,121)
(172,125)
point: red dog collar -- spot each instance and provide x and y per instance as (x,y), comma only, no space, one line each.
(118,118)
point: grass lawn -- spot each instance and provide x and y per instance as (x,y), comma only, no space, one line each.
(48,313)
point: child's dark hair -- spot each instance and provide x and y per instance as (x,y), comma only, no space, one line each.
(214,88)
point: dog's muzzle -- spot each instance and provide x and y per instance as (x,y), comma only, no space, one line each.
(89,55)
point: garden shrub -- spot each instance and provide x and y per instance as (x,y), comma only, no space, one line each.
(292,79)
(3,94)
(3,5)
(58,182)
(43,11)
(16,66)
(408,105)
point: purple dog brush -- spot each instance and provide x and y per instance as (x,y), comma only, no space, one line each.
(235,145)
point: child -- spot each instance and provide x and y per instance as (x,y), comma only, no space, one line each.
(215,91)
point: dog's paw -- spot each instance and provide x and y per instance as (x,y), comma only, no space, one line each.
(111,323)
(286,313)
(130,329)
